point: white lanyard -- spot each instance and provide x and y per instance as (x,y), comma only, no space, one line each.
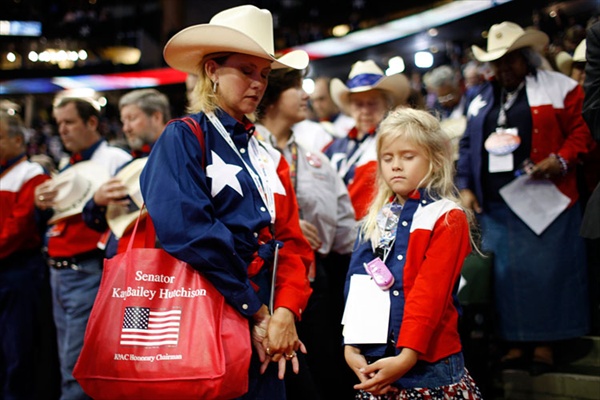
(347,163)
(258,160)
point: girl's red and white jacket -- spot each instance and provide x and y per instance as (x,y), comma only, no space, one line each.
(432,242)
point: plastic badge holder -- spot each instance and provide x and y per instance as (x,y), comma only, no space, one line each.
(380,273)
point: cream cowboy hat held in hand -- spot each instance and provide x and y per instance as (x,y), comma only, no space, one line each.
(365,76)
(121,218)
(76,185)
(506,37)
(244,29)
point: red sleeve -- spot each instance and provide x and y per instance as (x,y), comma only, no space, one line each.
(578,138)
(292,288)
(19,230)
(429,304)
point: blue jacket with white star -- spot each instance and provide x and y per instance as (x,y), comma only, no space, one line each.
(208,212)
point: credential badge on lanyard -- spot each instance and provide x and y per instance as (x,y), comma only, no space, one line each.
(504,141)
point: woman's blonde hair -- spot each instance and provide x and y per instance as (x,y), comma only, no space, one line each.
(203,98)
(423,130)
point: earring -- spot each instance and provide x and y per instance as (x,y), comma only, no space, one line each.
(215,84)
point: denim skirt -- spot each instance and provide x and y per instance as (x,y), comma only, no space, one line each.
(540,282)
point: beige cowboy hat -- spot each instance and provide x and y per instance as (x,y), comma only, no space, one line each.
(506,37)
(365,76)
(564,61)
(76,185)
(579,53)
(244,29)
(121,218)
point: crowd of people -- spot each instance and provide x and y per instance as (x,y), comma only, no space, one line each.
(361,200)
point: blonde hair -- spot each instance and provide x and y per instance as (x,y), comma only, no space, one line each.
(423,130)
(203,98)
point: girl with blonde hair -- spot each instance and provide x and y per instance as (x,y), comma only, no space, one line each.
(412,242)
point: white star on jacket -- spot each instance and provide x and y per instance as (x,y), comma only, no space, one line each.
(477,104)
(222,175)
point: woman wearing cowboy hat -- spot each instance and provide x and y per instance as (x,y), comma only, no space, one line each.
(527,115)
(226,207)
(573,65)
(367,97)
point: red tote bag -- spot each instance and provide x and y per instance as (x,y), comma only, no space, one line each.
(160,330)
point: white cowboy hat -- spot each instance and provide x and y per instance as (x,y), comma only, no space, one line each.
(579,53)
(506,37)
(245,29)
(121,218)
(76,185)
(564,61)
(365,76)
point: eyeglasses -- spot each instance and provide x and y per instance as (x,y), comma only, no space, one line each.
(445,99)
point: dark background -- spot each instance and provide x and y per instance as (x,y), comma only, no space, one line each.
(148,24)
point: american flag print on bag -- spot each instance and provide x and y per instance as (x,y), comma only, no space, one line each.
(143,326)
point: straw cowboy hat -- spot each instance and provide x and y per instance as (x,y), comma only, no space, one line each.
(506,37)
(365,76)
(121,218)
(76,185)
(564,61)
(245,29)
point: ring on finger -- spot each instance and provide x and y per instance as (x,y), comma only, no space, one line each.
(268,351)
(290,356)
(41,197)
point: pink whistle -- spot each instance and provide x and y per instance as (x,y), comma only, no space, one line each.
(380,273)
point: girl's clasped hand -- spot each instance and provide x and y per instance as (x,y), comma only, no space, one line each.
(377,378)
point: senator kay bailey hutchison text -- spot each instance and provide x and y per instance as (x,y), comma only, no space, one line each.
(140,291)
(163,293)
